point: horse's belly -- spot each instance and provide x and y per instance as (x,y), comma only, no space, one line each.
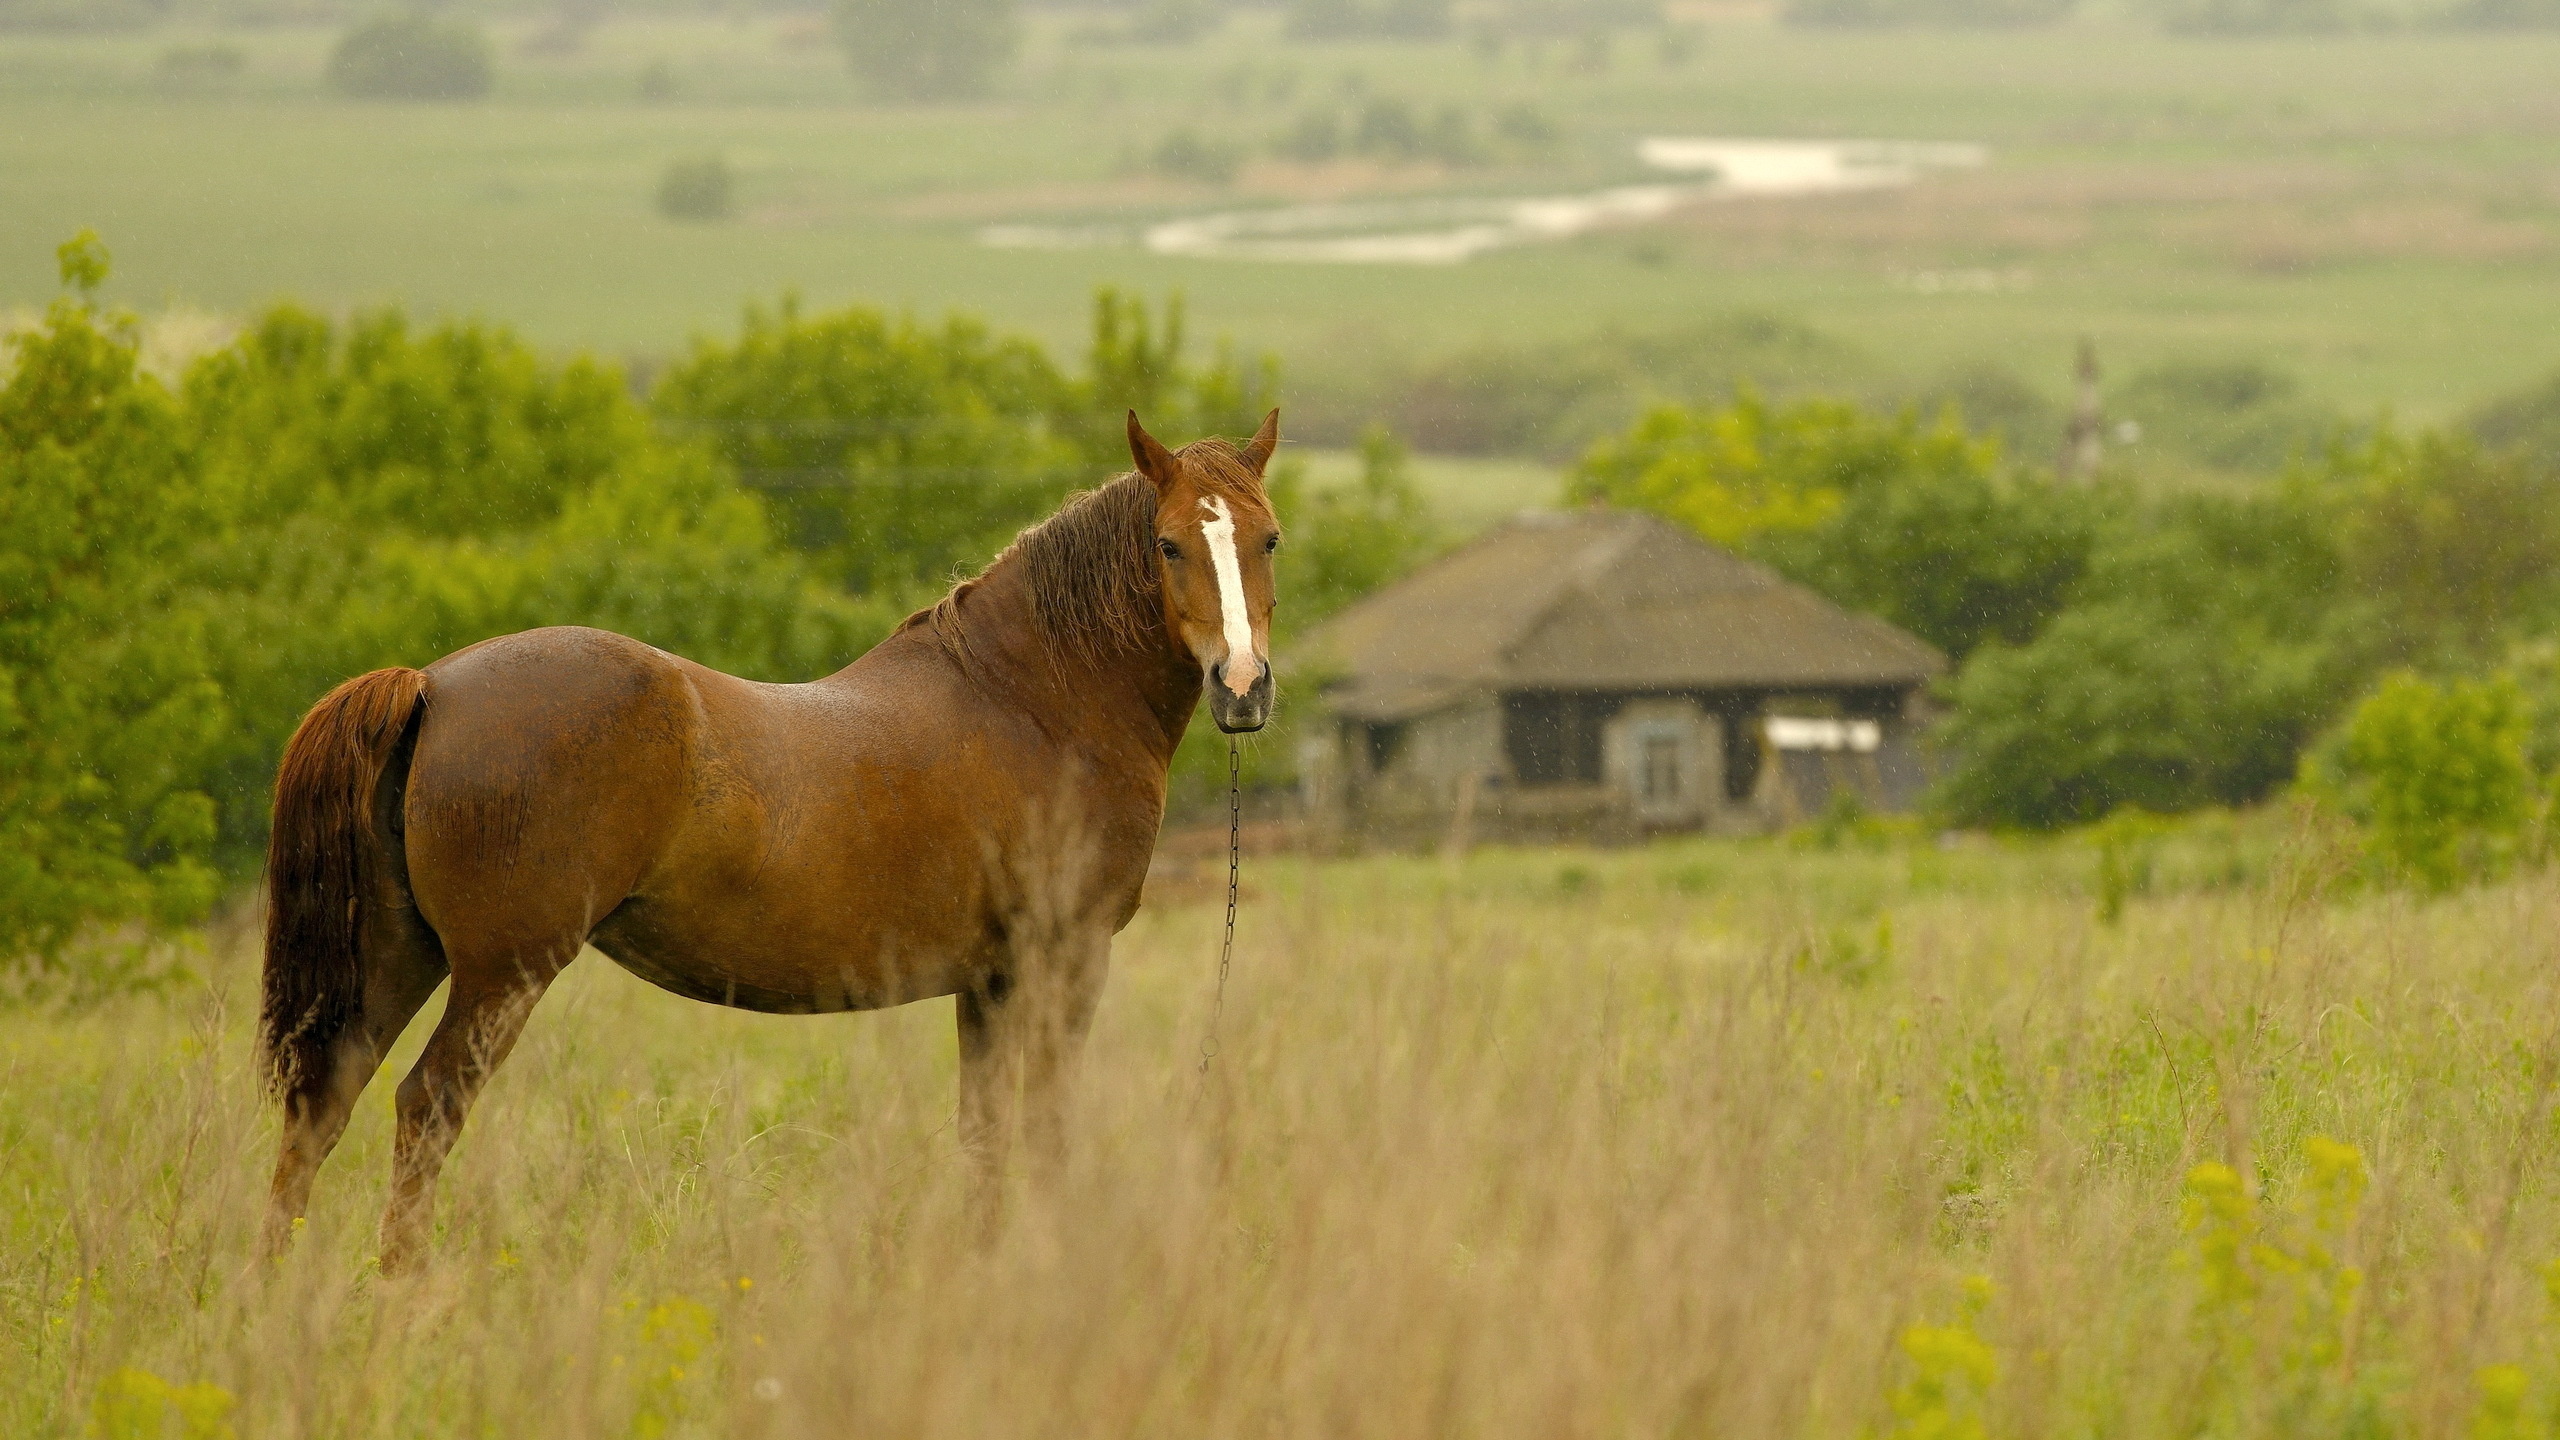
(787,969)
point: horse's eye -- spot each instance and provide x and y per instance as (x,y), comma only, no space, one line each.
(1170,550)
(1271,544)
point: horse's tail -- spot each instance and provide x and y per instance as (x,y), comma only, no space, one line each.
(320,873)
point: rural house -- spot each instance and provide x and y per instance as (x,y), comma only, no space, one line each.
(1603,675)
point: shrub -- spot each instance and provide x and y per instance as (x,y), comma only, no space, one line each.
(926,49)
(2435,773)
(1184,155)
(697,188)
(658,82)
(1527,128)
(411,57)
(1314,138)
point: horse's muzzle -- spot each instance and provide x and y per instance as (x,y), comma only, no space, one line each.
(1239,714)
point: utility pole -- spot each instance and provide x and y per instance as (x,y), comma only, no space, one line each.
(2082,438)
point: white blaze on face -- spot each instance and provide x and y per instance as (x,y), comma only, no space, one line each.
(1243,666)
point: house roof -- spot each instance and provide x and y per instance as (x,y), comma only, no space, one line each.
(1597,600)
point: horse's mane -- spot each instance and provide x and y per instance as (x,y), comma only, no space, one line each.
(1090,567)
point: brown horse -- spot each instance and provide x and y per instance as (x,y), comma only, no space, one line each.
(967,810)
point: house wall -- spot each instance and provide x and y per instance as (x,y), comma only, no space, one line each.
(1453,774)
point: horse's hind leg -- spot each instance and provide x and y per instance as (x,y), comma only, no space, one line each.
(483,1016)
(403,964)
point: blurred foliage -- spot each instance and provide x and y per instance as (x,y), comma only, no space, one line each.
(2526,423)
(1944,14)
(412,56)
(2199,653)
(698,187)
(1348,19)
(894,451)
(1557,399)
(1909,519)
(107,709)
(2256,17)
(1348,540)
(926,49)
(2436,774)
(2232,415)
(897,453)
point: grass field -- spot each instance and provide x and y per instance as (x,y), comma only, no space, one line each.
(1705,1139)
(2379,213)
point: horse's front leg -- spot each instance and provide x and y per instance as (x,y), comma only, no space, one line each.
(1022,1033)
(1053,1046)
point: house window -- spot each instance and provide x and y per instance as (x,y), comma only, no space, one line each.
(1382,741)
(1553,738)
(1658,772)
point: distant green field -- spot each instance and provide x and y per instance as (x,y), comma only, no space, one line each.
(1466,493)
(2380,214)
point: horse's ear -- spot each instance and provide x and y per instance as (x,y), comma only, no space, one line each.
(1154,461)
(1257,451)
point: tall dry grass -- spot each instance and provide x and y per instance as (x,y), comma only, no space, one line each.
(1715,1140)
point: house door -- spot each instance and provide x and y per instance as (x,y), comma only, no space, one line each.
(1663,773)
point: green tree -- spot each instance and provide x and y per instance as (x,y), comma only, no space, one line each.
(1133,364)
(2209,641)
(106,710)
(460,430)
(1905,518)
(926,49)
(895,453)
(1736,472)
(2453,546)
(1951,552)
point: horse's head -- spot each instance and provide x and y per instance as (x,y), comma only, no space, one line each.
(1214,536)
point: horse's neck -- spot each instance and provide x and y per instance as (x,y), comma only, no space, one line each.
(1147,690)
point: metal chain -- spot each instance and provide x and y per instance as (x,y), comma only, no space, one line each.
(1227,946)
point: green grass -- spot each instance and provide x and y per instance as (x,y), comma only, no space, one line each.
(2377,213)
(1722,1137)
